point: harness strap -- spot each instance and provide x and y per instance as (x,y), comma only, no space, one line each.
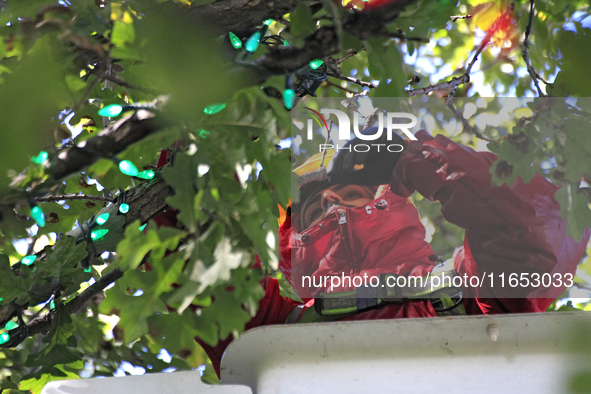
(437,287)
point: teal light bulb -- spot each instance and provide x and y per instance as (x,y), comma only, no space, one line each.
(4,338)
(203,133)
(87,270)
(10,326)
(148,174)
(253,42)
(288,96)
(128,168)
(124,208)
(268,22)
(102,219)
(38,216)
(235,41)
(214,108)
(110,110)
(314,64)
(98,234)
(28,260)
(143,226)
(40,158)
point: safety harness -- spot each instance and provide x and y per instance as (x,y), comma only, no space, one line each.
(437,287)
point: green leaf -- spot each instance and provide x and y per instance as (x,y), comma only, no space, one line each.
(58,340)
(577,148)
(573,60)
(134,310)
(574,208)
(35,385)
(176,333)
(26,109)
(385,63)
(179,178)
(136,245)
(225,260)
(123,33)
(13,287)
(302,23)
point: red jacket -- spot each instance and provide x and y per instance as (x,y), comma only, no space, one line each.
(508,229)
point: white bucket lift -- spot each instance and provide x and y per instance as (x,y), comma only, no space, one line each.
(532,353)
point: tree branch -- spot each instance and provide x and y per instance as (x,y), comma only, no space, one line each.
(240,16)
(455,82)
(112,140)
(145,201)
(352,80)
(325,41)
(340,87)
(525,51)
(455,18)
(43,323)
(465,122)
(465,78)
(73,197)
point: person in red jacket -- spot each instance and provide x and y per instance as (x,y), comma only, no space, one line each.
(346,225)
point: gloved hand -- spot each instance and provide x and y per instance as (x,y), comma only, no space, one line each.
(371,168)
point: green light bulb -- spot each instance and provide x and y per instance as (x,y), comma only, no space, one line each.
(98,234)
(4,338)
(314,64)
(253,42)
(288,96)
(38,215)
(285,43)
(203,133)
(40,158)
(28,260)
(128,168)
(124,208)
(143,226)
(214,108)
(102,219)
(149,174)
(234,40)
(87,270)
(110,110)
(10,326)
(268,22)
(52,305)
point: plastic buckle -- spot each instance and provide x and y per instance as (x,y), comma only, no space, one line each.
(382,292)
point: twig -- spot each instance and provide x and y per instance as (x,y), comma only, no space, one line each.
(43,323)
(465,78)
(350,53)
(74,197)
(465,122)
(455,18)
(455,81)
(489,35)
(352,80)
(542,79)
(401,37)
(582,286)
(340,87)
(525,50)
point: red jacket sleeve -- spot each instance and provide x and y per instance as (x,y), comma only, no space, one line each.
(509,229)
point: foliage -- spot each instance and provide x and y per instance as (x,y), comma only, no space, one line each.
(60,62)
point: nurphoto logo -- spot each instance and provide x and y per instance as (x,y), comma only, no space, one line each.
(344,126)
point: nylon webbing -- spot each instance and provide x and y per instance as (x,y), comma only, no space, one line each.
(437,286)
